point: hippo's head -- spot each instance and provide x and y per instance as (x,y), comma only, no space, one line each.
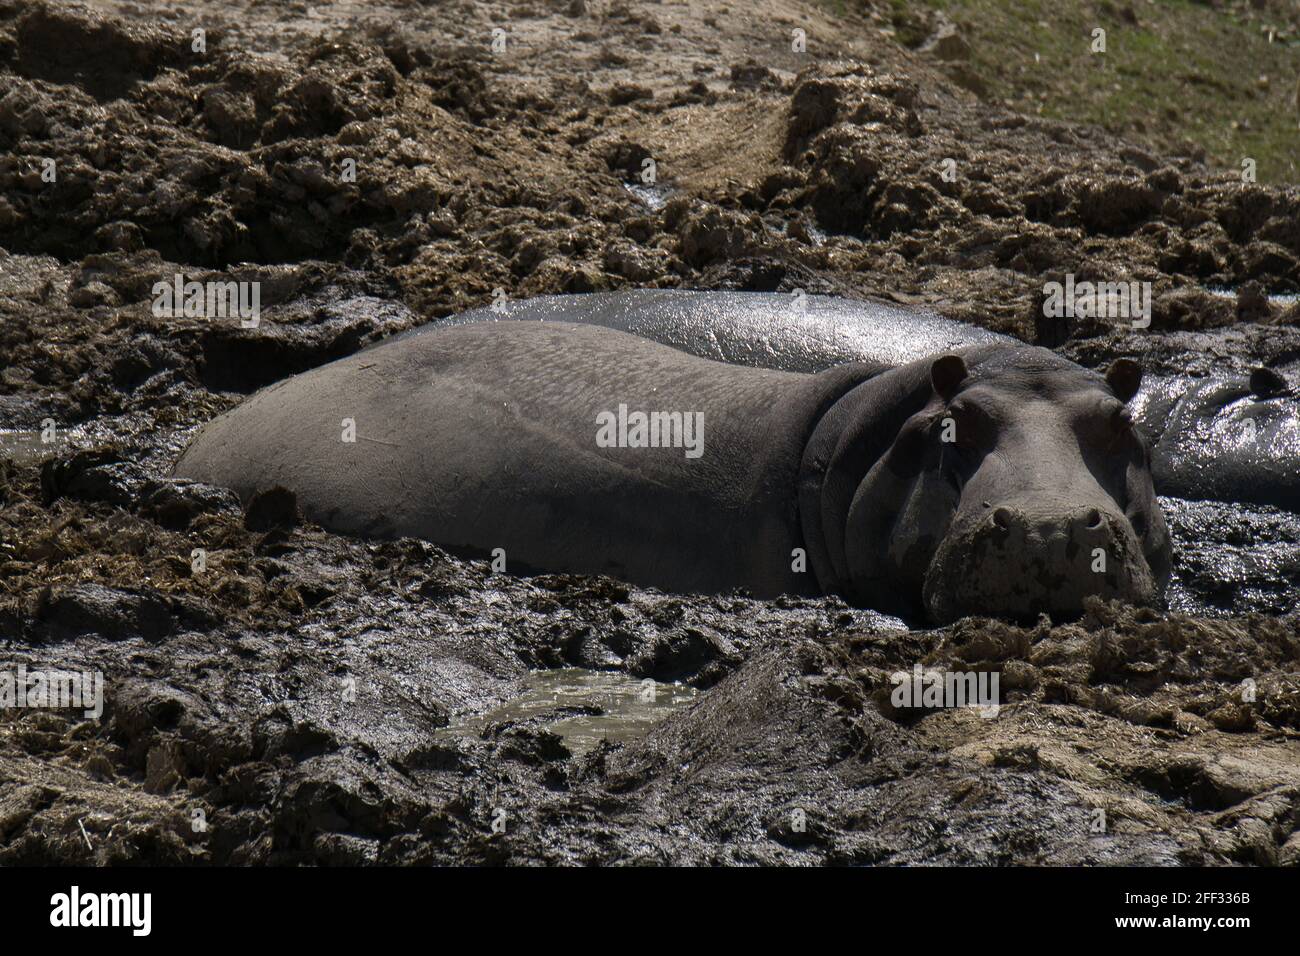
(1013,483)
(1228,437)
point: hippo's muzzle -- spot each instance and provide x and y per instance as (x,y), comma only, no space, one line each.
(1018,562)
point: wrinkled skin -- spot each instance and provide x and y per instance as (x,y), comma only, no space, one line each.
(1042,497)
(1201,444)
(480,436)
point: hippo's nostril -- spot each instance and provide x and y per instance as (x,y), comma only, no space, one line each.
(1094,519)
(1002,518)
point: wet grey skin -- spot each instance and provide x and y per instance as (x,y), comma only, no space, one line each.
(783,331)
(1232,438)
(482,435)
(1229,438)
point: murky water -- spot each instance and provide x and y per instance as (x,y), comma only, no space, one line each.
(588,706)
(652,196)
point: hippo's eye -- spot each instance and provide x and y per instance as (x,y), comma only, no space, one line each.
(953,467)
(966,425)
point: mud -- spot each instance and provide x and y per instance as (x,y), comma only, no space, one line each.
(285,699)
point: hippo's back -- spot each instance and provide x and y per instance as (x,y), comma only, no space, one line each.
(498,435)
(788,331)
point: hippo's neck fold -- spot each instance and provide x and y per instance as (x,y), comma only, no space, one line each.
(848,439)
(853,434)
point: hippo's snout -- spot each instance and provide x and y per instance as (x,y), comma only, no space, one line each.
(1082,526)
(1018,563)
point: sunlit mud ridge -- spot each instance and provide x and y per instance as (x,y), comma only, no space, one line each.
(277,693)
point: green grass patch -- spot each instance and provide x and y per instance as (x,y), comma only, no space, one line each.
(1174,73)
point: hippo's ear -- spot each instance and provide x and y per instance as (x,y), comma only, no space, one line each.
(946,373)
(1124,378)
(1266,383)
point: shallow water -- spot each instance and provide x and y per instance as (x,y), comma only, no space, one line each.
(588,706)
(651,196)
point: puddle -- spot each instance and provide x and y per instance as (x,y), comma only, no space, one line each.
(653,197)
(588,706)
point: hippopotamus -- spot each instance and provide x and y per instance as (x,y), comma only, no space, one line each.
(989,478)
(1226,438)
(1230,437)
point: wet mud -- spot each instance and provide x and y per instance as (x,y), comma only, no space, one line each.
(285,697)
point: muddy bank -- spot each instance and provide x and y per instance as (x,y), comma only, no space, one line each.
(292,685)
